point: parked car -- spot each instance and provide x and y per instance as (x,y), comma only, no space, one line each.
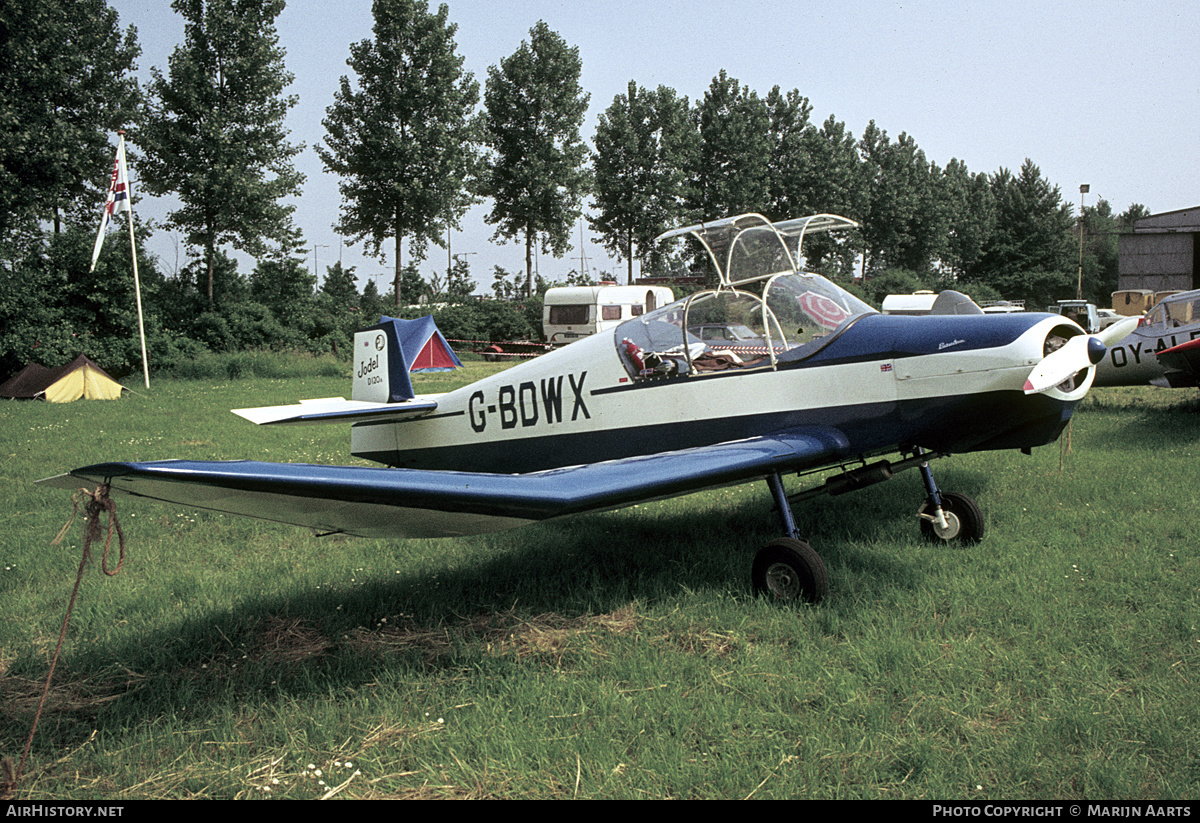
(1081,311)
(727,334)
(1108,317)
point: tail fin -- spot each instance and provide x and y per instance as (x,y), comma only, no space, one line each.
(382,389)
(380,371)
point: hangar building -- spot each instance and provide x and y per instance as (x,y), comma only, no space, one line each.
(1162,252)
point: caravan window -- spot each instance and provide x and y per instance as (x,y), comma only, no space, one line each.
(569,315)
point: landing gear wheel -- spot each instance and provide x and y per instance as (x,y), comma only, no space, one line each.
(964,520)
(789,570)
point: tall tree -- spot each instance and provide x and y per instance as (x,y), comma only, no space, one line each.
(282,283)
(537,175)
(340,285)
(66,85)
(643,144)
(833,187)
(459,283)
(1131,215)
(506,285)
(971,207)
(214,130)
(791,164)
(1100,262)
(412,285)
(404,138)
(904,225)
(1033,226)
(1032,252)
(372,303)
(731,171)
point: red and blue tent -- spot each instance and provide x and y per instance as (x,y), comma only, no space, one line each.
(422,344)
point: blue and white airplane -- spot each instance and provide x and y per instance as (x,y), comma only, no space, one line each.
(648,410)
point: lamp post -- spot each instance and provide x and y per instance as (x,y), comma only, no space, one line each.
(1083,189)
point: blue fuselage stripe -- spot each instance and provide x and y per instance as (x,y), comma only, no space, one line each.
(959,424)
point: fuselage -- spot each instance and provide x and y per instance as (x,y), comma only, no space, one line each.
(948,383)
(1134,360)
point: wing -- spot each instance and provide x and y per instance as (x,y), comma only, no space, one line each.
(1182,363)
(382,502)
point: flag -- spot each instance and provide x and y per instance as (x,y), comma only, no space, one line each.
(118,197)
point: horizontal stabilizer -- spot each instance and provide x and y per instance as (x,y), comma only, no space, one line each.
(336,410)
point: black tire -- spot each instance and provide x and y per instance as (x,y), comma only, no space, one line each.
(789,570)
(963,516)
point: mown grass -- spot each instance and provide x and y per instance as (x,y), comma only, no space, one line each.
(618,655)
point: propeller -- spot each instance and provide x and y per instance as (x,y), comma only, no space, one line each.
(1080,352)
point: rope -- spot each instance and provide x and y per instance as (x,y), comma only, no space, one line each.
(98,502)
(481,347)
(1064,445)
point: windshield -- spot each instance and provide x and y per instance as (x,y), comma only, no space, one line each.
(728,329)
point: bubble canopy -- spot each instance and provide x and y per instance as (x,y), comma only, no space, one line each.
(748,247)
(788,313)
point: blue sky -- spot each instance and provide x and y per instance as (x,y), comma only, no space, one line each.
(1103,92)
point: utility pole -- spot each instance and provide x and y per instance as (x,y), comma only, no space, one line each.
(1079,284)
(316,271)
(583,267)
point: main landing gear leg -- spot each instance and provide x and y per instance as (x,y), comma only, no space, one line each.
(947,516)
(788,568)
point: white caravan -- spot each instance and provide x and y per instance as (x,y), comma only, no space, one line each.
(572,312)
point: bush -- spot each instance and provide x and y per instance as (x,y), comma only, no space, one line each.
(168,350)
(256,364)
(488,320)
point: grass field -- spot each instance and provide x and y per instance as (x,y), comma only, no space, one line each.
(619,655)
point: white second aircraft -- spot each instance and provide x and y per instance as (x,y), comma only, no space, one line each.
(649,410)
(1161,350)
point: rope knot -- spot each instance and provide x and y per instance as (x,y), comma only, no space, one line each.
(97,504)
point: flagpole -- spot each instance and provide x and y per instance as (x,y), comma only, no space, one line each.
(120,198)
(137,286)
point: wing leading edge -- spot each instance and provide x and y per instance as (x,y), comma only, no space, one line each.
(384,502)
